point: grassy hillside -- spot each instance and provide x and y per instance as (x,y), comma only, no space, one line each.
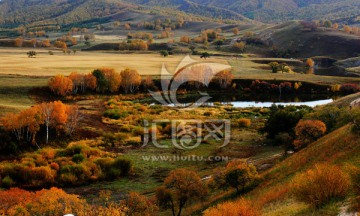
(194,8)
(341,147)
(56,12)
(280,10)
(299,42)
(51,12)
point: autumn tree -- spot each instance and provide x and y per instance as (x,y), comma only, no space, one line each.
(45,202)
(54,115)
(82,82)
(127,26)
(60,85)
(239,46)
(89,83)
(224,78)
(107,80)
(148,83)
(73,116)
(239,175)
(347,29)
(274,67)
(59,116)
(77,80)
(19,42)
(46,111)
(180,187)
(116,23)
(308,131)
(235,31)
(24,125)
(185,39)
(336,26)
(131,80)
(310,63)
(138,205)
(60,44)
(283,67)
(46,43)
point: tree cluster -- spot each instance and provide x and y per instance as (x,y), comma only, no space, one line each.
(56,115)
(103,80)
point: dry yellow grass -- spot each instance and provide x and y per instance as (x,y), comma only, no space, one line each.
(15,61)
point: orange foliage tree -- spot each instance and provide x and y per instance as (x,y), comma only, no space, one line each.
(224,78)
(180,187)
(308,131)
(82,83)
(72,121)
(137,204)
(60,44)
(24,125)
(310,63)
(185,39)
(46,43)
(148,83)
(45,202)
(60,85)
(19,42)
(235,31)
(130,80)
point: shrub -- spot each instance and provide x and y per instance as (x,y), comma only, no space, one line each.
(7,182)
(123,165)
(240,207)
(68,179)
(78,158)
(320,185)
(243,122)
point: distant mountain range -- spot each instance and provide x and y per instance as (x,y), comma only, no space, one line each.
(15,12)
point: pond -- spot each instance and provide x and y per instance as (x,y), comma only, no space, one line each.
(259,100)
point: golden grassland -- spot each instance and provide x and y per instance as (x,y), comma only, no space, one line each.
(14,92)
(15,61)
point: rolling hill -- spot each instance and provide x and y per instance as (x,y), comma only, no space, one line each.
(41,12)
(281,10)
(293,38)
(17,12)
